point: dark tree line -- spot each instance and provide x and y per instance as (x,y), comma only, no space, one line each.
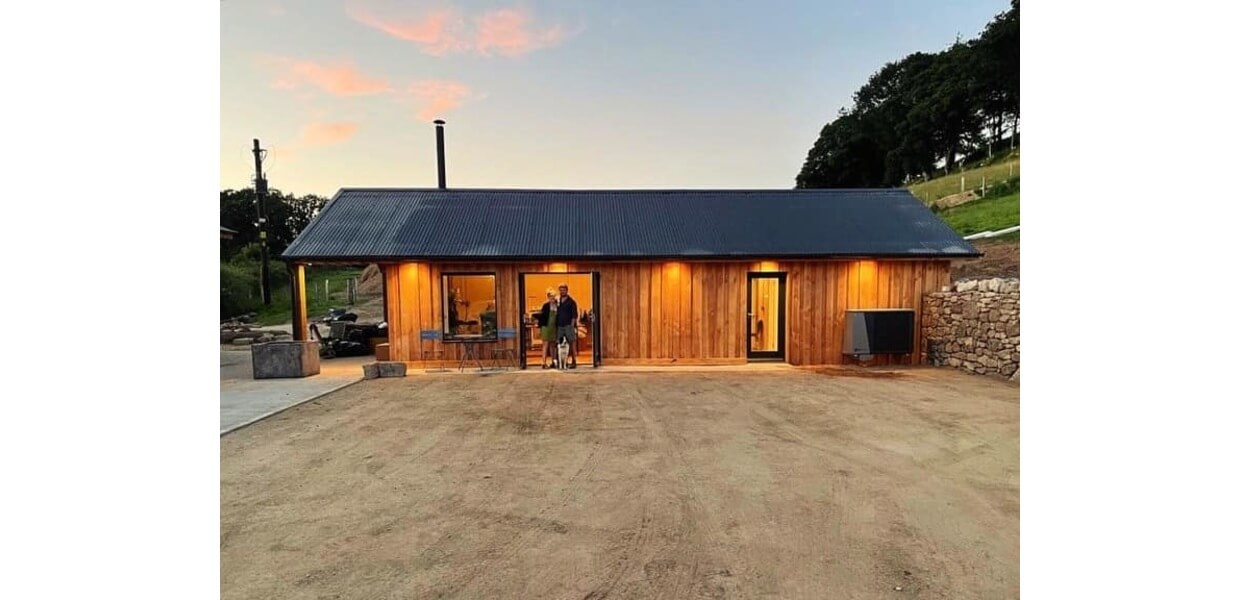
(919,114)
(240,256)
(288,215)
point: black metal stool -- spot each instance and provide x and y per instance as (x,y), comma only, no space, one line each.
(507,354)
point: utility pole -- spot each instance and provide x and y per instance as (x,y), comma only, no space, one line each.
(262,189)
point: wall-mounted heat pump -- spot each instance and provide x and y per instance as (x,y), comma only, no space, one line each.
(879,331)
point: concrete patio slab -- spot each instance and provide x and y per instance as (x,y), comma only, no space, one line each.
(245,400)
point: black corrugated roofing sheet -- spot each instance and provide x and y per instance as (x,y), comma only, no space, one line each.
(372,224)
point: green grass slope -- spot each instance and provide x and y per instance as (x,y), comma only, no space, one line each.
(990,214)
(1003,169)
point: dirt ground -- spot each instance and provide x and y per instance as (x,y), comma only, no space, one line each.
(591,485)
(1002,259)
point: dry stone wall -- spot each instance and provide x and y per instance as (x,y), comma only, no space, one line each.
(975,327)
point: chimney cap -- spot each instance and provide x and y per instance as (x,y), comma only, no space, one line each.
(439,122)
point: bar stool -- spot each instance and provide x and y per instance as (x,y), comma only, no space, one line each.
(506,354)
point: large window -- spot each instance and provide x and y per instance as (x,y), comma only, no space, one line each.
(469,307)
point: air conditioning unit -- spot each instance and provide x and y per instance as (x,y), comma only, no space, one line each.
(879,331)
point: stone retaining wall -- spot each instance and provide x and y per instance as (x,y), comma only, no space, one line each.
(976,327)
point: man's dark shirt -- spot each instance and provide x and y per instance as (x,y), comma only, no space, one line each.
(566,313)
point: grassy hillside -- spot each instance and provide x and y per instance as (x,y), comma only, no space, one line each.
(1004,168)
(990,214)
(318,303)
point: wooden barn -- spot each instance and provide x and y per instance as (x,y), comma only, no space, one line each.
(659,277)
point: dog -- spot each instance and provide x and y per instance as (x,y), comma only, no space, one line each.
(563,353)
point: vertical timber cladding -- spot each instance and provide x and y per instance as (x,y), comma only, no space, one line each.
(679,312)
(820,292)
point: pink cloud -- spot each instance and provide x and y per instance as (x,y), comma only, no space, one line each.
(509,32)
(506,31)
(438,32)
(325,134)
(338,79)
(437,97)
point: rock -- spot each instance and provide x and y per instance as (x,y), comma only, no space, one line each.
(392,369)
(264,339)
(983,285)
(285,359)
(247,341)
(371,370)
(965,286)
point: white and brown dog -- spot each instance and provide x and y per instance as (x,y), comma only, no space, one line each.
(562,352)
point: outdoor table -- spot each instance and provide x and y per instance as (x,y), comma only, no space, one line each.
(470,351)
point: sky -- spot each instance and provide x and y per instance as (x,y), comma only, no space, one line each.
(555,94)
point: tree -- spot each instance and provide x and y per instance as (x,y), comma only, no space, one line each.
(844,156)
(288,216)
(921,111)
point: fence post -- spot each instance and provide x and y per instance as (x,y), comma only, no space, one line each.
(1011,170)
(961,184)
(327,290)
(982,186)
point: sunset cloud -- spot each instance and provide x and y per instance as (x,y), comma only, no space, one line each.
(509,32)
(325,134)
(437,97)
(506,31)
(338,79)
(438,33)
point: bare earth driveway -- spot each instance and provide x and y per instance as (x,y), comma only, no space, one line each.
(584,485)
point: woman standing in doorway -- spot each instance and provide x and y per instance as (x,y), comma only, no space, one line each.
(547,328)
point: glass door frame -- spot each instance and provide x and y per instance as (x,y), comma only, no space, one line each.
(780,352)
(596,350)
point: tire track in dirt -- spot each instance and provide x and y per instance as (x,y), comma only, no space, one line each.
(905,558)
(496,553)
(681,534)
(466,515)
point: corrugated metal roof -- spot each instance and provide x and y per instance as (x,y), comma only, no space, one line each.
(372,224)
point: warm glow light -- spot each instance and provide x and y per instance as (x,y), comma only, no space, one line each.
(408,272)
(558,268)
(868,278)
(768,265)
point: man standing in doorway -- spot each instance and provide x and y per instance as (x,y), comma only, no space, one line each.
(566,323)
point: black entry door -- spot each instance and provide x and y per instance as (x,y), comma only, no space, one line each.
(766,316)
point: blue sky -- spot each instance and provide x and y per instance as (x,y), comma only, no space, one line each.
(553,94)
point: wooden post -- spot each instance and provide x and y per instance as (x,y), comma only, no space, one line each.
(327,290)
(299,307)
(961,184)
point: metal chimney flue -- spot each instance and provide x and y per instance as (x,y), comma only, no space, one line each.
(442,161)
